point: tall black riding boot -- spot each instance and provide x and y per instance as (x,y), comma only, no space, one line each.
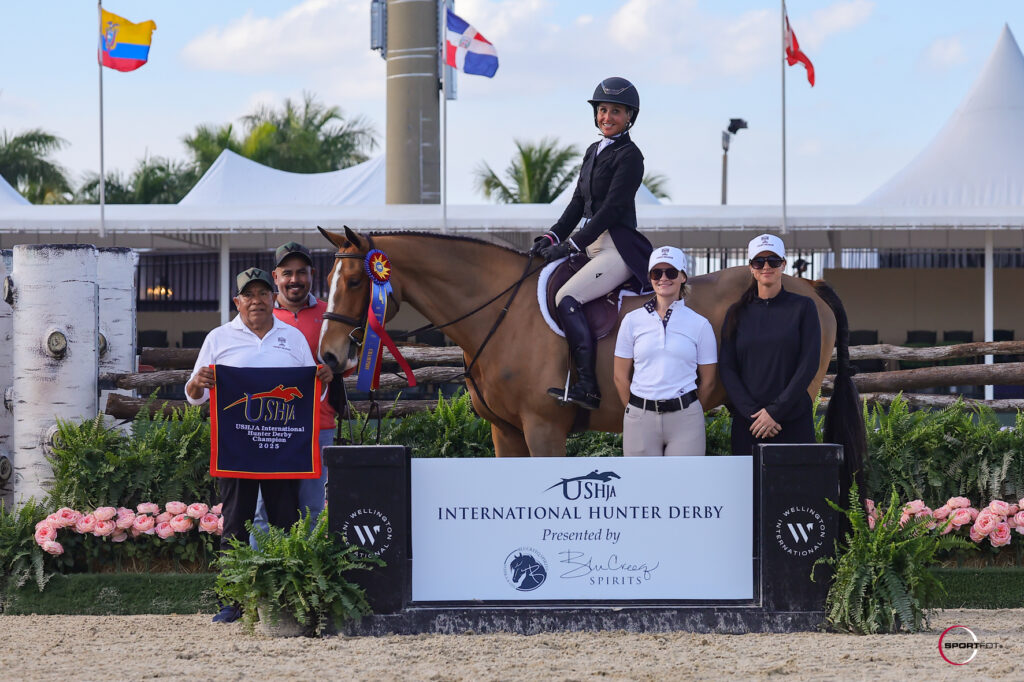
(584,355)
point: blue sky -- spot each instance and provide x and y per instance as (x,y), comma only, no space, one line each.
(889,74)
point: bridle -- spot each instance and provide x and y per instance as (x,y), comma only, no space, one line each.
(357,325)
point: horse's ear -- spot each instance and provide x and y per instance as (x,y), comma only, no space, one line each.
(354,238)
(332,237)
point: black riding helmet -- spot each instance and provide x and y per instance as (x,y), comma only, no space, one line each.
(620,91)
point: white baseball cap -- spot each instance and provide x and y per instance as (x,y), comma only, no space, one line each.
(766,242)
(668,254)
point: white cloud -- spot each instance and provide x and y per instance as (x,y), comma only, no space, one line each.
(836,18)
(944,53)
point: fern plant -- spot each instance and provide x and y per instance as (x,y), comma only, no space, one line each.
(300,571)
(452,429)
(882,583)
(21,559)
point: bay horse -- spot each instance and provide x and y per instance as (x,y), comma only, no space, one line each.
(445,277)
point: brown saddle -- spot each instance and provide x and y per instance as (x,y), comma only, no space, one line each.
(602,313)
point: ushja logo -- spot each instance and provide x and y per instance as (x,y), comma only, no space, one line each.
(270,406)
(591,486)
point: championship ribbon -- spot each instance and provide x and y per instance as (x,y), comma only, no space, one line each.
(378,269)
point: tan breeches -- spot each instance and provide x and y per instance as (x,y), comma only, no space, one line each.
(647,433)
(603,272)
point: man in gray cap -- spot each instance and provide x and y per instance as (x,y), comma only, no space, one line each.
(254,338)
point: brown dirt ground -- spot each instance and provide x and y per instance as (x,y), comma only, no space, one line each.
(190,647)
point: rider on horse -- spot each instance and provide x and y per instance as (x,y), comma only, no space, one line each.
(610,176)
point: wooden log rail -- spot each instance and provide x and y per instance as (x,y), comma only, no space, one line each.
(1007,373)
(928,400)
(885,351)
(185,358)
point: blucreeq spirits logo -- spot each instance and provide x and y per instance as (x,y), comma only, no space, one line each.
(369,529)
(800,531)
(526,569)
(958,645)
(593,486)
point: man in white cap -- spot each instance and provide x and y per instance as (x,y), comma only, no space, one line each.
(771,343)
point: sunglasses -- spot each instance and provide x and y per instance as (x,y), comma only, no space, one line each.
(760,262)
(656,273)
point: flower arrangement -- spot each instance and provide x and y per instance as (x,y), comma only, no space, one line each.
(995,522)
(119,524)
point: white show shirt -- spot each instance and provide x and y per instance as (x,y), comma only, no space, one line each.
(236,345)
(665,355)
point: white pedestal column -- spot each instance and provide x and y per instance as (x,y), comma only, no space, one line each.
(116,280)
(6,420)
(56,358)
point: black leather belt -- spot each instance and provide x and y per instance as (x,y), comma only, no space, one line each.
(659,406)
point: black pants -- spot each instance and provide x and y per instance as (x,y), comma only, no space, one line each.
(281,497)
(799,430)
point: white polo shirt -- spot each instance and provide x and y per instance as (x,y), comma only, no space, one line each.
(665,355)
(236,345)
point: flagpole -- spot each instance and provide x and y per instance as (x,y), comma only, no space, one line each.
(99,63)
(443,24)
(783,64)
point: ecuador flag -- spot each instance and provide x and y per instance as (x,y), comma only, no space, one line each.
(124,46)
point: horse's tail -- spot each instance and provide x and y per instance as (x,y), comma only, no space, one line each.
(844,421)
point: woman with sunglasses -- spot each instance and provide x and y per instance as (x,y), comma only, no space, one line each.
(672,354)
(612,171)
(771,342)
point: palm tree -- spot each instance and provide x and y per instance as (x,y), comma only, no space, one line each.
(537,173)
(308,137)
(155,180)
(25,164)
(657,184)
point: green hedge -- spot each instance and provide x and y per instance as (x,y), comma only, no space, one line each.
(120,594)
(137,594)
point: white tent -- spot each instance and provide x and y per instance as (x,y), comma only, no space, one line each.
(643,196)
(977,159)
(234,180)
(10,196)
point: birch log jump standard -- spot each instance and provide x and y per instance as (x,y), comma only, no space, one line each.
(56,357)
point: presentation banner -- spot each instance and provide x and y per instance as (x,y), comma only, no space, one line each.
(591,528)
(263,422)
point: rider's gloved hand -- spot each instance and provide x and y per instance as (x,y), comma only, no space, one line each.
(555,251)
(541,243)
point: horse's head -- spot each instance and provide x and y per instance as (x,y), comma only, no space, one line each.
(349,297)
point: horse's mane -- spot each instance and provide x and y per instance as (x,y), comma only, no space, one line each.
(450,237)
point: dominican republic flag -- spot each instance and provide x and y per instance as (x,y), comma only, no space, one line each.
(466,49)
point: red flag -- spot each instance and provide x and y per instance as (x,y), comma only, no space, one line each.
(794,54)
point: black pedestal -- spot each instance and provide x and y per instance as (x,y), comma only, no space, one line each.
(797,527)
(368,502)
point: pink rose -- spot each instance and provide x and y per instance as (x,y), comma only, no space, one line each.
(913,507)
(135,532)
(54,520)
(125,521)
(869,506)
(208,524)
(999,507)
(105,513)
(53,547)
(197,509)
(904,517)
(1013,510)
(946,527)
(164,530)
(68,517)
(220,526)
(103,528)
(144,524)
(149,508)
(119,536)
(45,533)
(176,508)
(86,524)
(1019,519)
(974,513)
(165,517)
(181,523)
(986,522)
(961,517)
(216,509)
(975,536)
(942,512)
(871,523)
(1000,536)
(958,502)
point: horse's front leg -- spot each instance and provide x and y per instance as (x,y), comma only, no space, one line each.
(508,441)
(546,434)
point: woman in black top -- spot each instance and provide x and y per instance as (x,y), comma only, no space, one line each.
(612,171)
(771,343)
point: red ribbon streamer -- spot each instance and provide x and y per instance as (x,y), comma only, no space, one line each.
(379,329)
